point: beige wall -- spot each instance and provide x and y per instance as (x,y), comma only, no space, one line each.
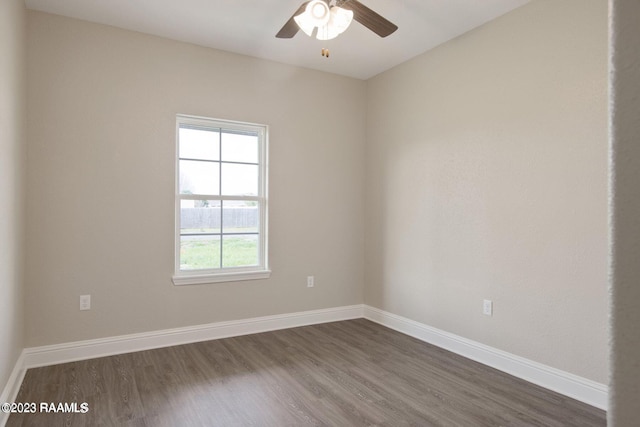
(487,178)
(102,105)
(12,143)
(625,213)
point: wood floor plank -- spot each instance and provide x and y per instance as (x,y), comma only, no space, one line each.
(351,373)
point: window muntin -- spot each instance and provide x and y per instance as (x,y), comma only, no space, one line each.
(220,201)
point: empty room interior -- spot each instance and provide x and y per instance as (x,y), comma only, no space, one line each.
(414,212)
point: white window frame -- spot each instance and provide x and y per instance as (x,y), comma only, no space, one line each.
(225,274)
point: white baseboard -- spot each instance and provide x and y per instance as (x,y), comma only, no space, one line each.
(82,350)
(570,385)
(562,382)
(12,387)
(90,349)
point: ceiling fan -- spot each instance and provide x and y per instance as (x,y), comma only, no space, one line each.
(332,17)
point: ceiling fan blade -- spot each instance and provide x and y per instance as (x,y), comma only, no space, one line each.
(290,28)
(369,18)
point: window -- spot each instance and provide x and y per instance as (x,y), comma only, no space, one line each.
(221,201)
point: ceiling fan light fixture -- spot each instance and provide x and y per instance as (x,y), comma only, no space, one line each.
(338,23)
(332,20)
(316,14)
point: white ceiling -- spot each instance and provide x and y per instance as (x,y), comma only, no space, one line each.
(249,26)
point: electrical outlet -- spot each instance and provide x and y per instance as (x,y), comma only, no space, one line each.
(487,307)
(310,282)
(85,302)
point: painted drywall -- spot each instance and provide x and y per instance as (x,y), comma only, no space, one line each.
(486,178)
(12,146)
(625,213)
(102,104)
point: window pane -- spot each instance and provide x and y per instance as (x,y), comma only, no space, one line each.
(240,216)
(239,251)
(199,177)
(199,216)
(239,180)
(221,189)
(199,144)
(239,147)
(199,252)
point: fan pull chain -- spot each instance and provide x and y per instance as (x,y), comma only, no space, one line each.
(325,52)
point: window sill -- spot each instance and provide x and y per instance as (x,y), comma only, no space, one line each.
(200,279)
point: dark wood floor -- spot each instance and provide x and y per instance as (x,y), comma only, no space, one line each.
(352,373)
